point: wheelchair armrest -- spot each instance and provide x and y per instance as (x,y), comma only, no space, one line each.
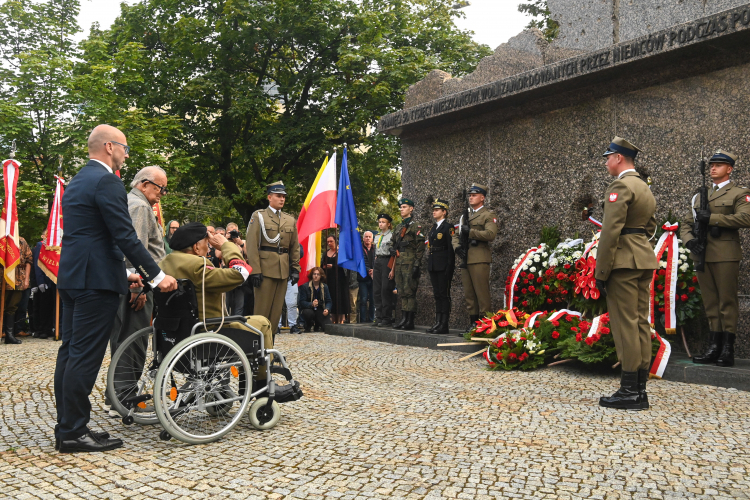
(227,319)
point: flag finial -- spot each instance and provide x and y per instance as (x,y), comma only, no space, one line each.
(59,165)
(13,149)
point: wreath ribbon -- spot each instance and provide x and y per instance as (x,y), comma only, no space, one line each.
(667,242)
(662,356)
(517,272)
(532,319)
(562,312)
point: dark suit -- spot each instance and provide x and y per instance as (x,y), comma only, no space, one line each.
(92,276)
(440,264)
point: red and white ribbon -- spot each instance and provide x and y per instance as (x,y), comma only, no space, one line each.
(595,222)
(662,356)
(562,312)
(529,323)
(591,245)
(667,242)
(517,271)
(595,326)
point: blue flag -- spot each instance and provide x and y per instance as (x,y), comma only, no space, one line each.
(350,245)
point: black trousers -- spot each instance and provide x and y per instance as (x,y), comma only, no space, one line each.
(313,318)
(441,289)
(86,326)
(382,289)
(44,311)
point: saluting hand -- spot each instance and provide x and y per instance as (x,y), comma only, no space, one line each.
(216,240)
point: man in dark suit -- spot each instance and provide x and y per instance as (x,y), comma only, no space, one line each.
(92,276)
(440,264)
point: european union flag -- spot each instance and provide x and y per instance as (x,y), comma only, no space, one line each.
(350,244)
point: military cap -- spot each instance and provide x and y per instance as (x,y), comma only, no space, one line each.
(723,157)
(386,217)
(405,201)
(276,188)
(440,203)
(622,146)
(478,188)
(188,235)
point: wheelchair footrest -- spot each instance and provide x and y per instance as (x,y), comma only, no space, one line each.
(133,401)
(282,371)
(287,393)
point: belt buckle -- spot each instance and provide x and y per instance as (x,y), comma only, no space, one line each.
(278,250)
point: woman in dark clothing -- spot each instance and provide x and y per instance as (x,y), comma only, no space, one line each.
(314,300)
(338,285)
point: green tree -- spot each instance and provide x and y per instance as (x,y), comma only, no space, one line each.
(539,10)
(262,89)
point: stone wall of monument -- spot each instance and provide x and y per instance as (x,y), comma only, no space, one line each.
(542,167)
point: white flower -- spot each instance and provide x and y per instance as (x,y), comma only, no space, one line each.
(545,254)
(553,262)
(684,268)
(536,258)
(662,264)
(525,267)
(682,250)
(532,269)
(577,254)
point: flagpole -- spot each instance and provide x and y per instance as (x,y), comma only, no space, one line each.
(57,292)
(2,294)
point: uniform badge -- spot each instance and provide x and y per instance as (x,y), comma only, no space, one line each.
(252,219)
(613,197)
(747,197)
(453,231)
(440,235)
(494,220)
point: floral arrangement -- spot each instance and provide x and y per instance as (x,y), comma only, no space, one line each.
(515,349)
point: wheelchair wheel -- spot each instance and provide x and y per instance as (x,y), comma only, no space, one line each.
(261,417)
(201,390)
(131,376)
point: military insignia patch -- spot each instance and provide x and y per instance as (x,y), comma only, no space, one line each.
(440,235)
(613,197)
(494,220)
(252,219)
(747,197)
(453,231)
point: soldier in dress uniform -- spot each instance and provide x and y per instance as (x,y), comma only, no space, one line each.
(440,264)
(728,211)
(409,248)
(382,276)
(625,262)
(482,229)
(273,253)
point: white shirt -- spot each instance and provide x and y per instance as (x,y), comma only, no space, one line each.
(437,224)
(273,210)
(477,210)
(128,272)
(625,172)
(719,186)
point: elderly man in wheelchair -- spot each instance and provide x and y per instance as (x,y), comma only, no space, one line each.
(196,370)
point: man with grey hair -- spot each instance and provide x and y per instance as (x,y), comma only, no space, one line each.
(134,313)
(366,299)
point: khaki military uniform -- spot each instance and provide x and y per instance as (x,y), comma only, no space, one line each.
(273,260)
(627,262)
(476,276)
(215,282)
(411,250)
(730,211)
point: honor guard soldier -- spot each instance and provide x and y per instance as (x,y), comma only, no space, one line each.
(440,264)
(728,211)
(273,253)
(382,276)
(625,263)
(407,251)
(480,224)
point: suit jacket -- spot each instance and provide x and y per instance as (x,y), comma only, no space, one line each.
(441,257)
(98,230)
(628,203)
(730,210)
(483,229)
(272,264)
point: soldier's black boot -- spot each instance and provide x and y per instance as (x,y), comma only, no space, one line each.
(627,396)
(438,320)
(727,352)
(472,323)
(713,351)
(642,379)
(8,327)
(402,322)
(409,321)
(442,328)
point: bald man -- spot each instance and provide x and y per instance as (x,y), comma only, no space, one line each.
(98,230)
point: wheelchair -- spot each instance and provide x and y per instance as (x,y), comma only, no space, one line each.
(198,386)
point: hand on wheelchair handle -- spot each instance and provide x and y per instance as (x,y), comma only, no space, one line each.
(168,284)
(256,280)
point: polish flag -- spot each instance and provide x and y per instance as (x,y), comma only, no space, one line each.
(49,255)
(318,213)
(10,255)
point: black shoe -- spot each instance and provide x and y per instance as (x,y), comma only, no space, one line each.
(627,396)
(442,328)
(42,336)
(642,379)
(386,322)
(713,351)
(727,352)
(8,327)
(409,320)
(403,321)
(472,324)
(294,329)
(89,443)
(438,320)
(98,435)
(376,322)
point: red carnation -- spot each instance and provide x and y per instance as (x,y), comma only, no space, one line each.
(537,292)
(537,324)
(573,329)
(578,337)
(568,317)
(604,330)
(524,357)
(512,356)
(523,274)
(661,309)
(564,292)
(555,334)
(531,288)
(662,272)
(567,266)
(589,340)
(515,288)
(691,289)
(525,303)
(684,297)
(561,276)
(525,282)
(539,279)
(546,287)
(596,337)
(660,287)
(523,290)
(556,323)
(549,301)
(695,279)
(499,356)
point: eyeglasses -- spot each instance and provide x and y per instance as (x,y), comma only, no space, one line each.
(125,146)
(163,189)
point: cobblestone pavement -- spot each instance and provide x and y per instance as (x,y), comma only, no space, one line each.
(385,421)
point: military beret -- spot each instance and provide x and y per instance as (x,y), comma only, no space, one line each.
(276,188)
(478,188)
(440,203)
(386,217)
(723,157)
(188,235)
(622,146)
(405,201)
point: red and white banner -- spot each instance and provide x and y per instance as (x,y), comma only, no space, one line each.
(10,255)
(595,222)
(531,320)
(662,356)
(596,325)
(49,255)
(668,243)
(562,312)
(516,272)
(591,245)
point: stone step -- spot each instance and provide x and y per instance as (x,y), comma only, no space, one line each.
(680,367)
